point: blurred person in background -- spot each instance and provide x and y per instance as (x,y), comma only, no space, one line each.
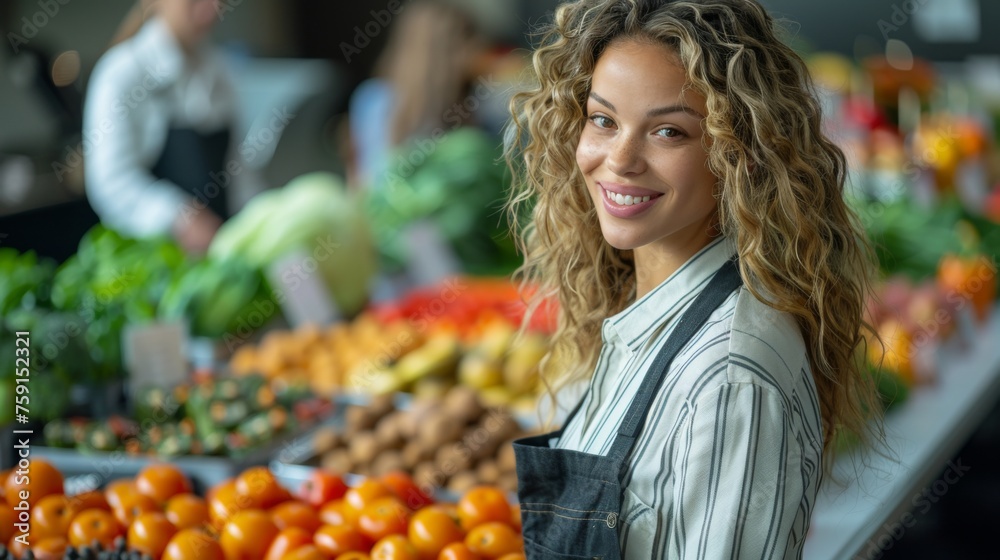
(431,62)
(162,106)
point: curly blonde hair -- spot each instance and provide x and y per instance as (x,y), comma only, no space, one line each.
(780,189)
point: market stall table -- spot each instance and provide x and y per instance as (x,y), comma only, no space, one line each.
(885,497)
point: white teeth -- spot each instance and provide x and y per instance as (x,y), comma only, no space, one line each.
(625,200)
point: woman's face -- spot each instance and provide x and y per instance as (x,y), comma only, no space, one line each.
(641,151)
(191,20)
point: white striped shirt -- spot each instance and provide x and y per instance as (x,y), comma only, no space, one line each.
(729,461)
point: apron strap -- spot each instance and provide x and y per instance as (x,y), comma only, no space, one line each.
(726,279)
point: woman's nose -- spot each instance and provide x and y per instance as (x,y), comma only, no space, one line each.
(625,155)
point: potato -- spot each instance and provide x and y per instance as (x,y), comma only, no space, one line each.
(508,482)
(363,448)
(462,482)
(427,475)
(505,457)
(462,403)
(381,406)
(387,432)
(438,430)
(453,458)
(488,472)
(360,418)
(338,461)
(325,439)
(414,453)
(387,462)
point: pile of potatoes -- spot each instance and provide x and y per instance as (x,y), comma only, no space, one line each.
(451,442)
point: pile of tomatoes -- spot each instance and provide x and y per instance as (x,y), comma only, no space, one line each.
(254,517)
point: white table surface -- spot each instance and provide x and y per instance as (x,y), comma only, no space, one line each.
(877,504)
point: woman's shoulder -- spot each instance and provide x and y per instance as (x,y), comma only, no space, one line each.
(765,345)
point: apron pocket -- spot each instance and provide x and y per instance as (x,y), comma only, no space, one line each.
(535,551)
(565,529)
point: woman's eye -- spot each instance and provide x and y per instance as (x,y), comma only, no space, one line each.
(601,121)
(669,132)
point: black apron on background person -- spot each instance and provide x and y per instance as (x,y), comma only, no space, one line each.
(196,162)
(571,501)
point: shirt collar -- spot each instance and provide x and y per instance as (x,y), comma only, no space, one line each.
(159,50)
(638,321)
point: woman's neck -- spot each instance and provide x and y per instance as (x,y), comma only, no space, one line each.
(657,261)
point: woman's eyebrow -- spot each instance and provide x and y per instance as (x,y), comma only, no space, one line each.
(659,111)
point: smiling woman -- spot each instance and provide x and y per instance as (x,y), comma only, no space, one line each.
(687,214)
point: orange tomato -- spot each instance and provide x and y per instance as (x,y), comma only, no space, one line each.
(338,512)
(94,524)
(262,487)
(338,539)
(17,548)
(483,504)
(288,540)
(162,482)
(193,543)
(353,556)
(294,513)
(394,547)
(384,517)
(7,519)
(132,506)
(322,487)
(51,517)
(40,479)
(248,535)
(224,502)
(458,551)
(307,552)
(365,493)
(94,499)
(403,486)
(150,533)
(116,490)
(51,548)
(431,530)
(974,279)
(513,556)
(186,511)
(493,540)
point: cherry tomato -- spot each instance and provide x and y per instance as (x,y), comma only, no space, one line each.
(186,511)
(493,540)
(7,519)
(338,512)
(338,539)
(481,505)
(288,540)
(403,486)
(322,487)
(294,513)
(384,517)
(115,491)
(513,556)
(365,493)
(89,500)
(394,547)
(162,482)
(132,506)
(431,530)
(458,551)
(262,487)
(307,552)
(51,548)
(94,524)
(193,543)
(248,535)
(150,533)
(224,502)
(51,517)
(40,479)
(353,556)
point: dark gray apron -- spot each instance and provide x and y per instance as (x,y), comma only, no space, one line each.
(196,162)
(571,501)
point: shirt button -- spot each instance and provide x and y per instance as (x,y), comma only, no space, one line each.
(612,520)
